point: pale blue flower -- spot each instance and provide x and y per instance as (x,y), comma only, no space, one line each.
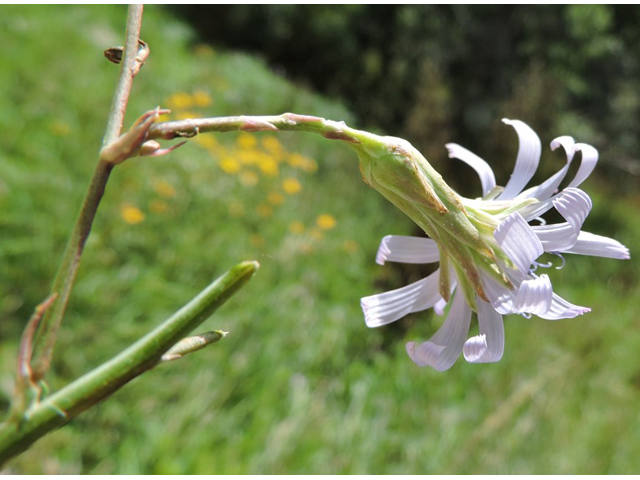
(510,208)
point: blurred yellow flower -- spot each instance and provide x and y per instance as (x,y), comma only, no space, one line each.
(179,101)
(272,145)
(326,221)
(247,157)
(296,227)
(300,161)
(268,166)
(249,178)
(310,165)
(158,206)
(291,186)
(275,198)
(130,214)
(296,160)
(165,189)
(207,141)
(264,210)
(246,140)
(201,98)
(230,165)
(185,115)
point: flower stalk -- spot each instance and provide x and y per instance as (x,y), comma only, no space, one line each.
(394,168)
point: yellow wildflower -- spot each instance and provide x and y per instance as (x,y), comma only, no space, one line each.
(296,160)
(247,157)
(230,165)
(310,165)
(246,140)
(291,186)
(130,214)
(326,221)
(273,146)
(165,189)
(268,166)
(179,101)
(185,115)
(207,141)
(201,98)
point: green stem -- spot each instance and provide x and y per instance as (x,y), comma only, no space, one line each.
(287,121)
(128,70)
(57,409)
(63,282)
(47,334)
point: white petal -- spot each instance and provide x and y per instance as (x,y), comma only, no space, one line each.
(560,308)
(549,187)
(599,246)
(482,168)
(501,298)
(534,296)
(390,306)
(443,349)
(574,205)
(518,241)
(565,142)
(398,248)
(557,237)
(589,160)
(487,347)
(526,162)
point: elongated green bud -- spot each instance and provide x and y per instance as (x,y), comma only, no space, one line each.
(192,344)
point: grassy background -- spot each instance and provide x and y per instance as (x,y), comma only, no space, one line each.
(300,385)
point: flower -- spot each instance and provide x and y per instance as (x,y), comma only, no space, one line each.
(500,281)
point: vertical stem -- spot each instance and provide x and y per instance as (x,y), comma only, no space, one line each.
(63,282)
(127,72)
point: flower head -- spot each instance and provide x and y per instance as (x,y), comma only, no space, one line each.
(486,248)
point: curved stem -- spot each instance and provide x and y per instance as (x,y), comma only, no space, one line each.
(57,409)
(287,121)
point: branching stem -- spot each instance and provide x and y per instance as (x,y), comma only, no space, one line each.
(61,406)
(65,277)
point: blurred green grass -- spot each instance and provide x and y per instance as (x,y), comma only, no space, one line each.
(300,385)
